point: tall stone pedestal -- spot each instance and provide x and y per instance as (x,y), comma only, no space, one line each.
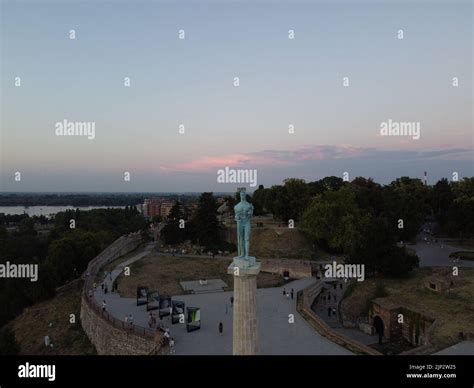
(245,325)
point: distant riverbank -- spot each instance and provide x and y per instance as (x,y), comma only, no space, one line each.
(48,210)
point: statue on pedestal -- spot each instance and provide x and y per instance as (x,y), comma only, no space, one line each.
(243,213)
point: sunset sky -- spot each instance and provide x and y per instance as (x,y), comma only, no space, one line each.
(190,82)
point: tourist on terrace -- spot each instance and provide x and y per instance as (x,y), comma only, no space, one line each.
(150,320)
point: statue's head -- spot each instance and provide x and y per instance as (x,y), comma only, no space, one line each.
(243,196)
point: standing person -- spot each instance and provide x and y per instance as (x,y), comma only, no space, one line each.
(232,301)
(292,293)
(102,286)
(105,289)
(221,327)
(104,305)
(284,292)
(167,334)
(150,320)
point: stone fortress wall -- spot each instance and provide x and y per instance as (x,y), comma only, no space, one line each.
(108,334)
(296,269)
(305,299)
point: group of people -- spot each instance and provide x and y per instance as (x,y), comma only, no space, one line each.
(105,288)
(128,321)
(167,338)
(151,320)
(289,294)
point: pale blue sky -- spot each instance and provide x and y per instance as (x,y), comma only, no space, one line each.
(191,82)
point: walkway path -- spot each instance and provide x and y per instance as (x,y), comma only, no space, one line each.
(276,335)
(436,254)
(115,273)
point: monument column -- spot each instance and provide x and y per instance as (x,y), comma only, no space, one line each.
(245,322)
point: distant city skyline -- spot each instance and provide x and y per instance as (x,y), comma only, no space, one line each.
(283,83)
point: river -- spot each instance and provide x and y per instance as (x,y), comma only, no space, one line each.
(48,210)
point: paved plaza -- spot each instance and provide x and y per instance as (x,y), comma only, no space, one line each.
(436,253)
(465,348)
(204,286)
(276,335)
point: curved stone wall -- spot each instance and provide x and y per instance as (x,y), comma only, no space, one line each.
(107,333)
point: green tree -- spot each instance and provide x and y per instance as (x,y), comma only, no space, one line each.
(172,233)
(8,344)
(258,200)
(375,248)
(460,215)
(407,199)
(204,226)
(332,217)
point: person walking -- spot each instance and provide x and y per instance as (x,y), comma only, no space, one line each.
(150,320)
(292,293)
(104,305)
(221,327)
(232,301)
(284,292)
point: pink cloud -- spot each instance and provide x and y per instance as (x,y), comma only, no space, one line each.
(207,163)
(275,158)
(308,154)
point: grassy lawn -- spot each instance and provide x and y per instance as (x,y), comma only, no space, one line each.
(279,242)
(461,243)
(33,325)
(109,267)
(463,255)
(454,309)
(163,273)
